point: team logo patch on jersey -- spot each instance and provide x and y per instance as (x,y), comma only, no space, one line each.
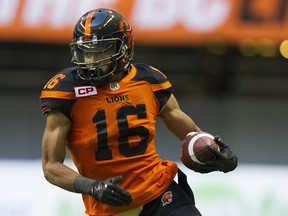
(114,86)
(84,91)
(167,198)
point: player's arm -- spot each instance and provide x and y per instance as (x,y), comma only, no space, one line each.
(54,150)
(53,155)
(178,122)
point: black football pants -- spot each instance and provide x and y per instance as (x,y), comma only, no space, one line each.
(173,202)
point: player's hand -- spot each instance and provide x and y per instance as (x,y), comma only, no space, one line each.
(109,192)
(226,160)
(204,168)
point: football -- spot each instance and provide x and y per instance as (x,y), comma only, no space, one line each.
(193,148)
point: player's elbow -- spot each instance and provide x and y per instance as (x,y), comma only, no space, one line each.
(47,169)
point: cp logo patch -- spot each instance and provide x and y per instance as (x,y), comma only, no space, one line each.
(167,198)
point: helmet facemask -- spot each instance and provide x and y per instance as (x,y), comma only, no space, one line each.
(98,60)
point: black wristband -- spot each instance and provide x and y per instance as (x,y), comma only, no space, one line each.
(84,185)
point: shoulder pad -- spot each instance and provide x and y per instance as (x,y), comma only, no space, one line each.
(62,84)
(149,74)
(153,76)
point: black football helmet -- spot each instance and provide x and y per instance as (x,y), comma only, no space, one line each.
(102,45)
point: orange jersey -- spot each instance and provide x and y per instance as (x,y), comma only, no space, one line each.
(113,130)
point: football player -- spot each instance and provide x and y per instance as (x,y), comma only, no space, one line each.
(104,110)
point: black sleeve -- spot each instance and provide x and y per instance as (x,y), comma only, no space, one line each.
(163,96)
(61,105)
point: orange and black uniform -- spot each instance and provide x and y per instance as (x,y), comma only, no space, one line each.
(113,131)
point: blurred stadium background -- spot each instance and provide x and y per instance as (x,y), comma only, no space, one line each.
(227,60)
